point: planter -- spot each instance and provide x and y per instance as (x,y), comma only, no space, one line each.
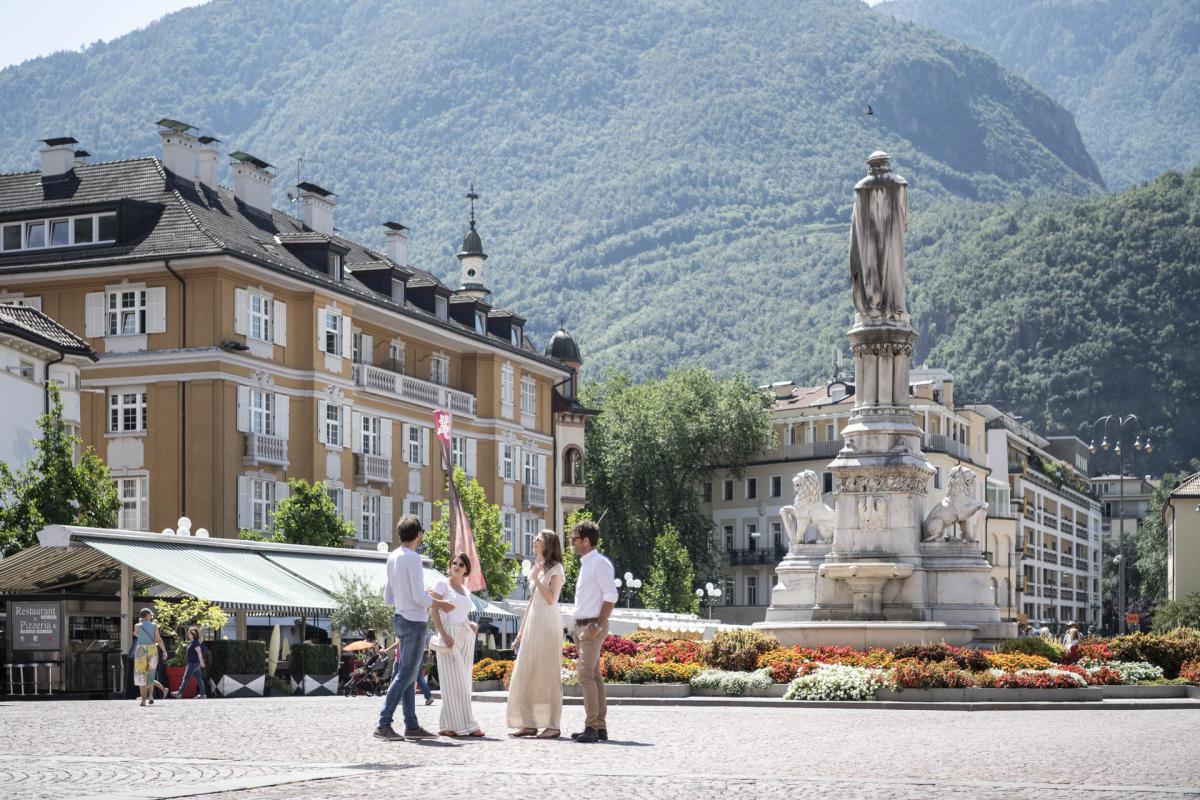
(316,685)
(486,686)
(1140,692)
(776,690)
(979,695)
(242,685)
(175,677)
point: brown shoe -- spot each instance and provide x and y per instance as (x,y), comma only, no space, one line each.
(550,733)
(523,732)
(417,733)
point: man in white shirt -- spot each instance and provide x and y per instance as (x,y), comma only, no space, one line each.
(405,591)
(595,596)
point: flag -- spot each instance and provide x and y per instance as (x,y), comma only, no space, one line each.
(462,538)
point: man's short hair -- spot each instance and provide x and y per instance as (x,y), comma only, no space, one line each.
(409,528)
(588,530)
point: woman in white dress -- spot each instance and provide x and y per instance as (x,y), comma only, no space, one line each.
(456,651)
(535,689)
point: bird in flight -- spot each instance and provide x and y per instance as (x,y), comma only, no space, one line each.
(870,111)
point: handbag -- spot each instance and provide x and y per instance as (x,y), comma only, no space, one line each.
(438,645)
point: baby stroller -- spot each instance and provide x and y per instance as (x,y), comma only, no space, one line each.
(368,678)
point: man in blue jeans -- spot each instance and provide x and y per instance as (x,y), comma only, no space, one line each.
(405,591)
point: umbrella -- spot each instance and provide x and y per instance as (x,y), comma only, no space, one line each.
(355,647)
(273,651)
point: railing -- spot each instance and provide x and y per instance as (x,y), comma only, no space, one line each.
(535,496)
(1049,592)
(940,443)
(802,452)
(369,468)
(263,449)
(1066,561)
(747,555)
(1050,557)
(405,387)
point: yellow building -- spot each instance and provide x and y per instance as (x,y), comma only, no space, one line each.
(241,346)
(1182,516)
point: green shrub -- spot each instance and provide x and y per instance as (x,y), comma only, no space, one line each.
(1167,650)
(236,657)
(313,659)
(1031,646)
(738,650)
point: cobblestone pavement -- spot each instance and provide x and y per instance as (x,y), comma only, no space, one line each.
(301,748)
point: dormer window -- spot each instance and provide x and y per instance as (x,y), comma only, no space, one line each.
(480,323)
(62,232)
(397,291)
(443,307)
(335,266)
(515,333)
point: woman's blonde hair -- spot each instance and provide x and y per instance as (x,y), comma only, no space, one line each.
(551,548)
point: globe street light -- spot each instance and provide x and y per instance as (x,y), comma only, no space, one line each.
(708,596)
(630,586)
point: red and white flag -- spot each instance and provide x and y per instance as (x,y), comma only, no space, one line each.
(462,538)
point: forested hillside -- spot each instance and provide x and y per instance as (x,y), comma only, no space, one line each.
(670,179)
(1129,70)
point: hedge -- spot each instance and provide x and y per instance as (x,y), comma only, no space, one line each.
(236,657)
(313,659)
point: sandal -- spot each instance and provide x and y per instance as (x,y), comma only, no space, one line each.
(448,734)
(550,733)
(523,732)
(478,734)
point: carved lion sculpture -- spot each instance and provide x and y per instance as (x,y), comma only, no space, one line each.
(806,509)
(957,517)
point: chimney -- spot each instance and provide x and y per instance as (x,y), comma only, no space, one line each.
(252,181)
(316,207)
(58,156)
(206,161)
(80,155)
(179,148)
(397,242)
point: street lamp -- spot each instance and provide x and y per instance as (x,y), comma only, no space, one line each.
(630,586)
(523,579)
(1120,423)
(707,596)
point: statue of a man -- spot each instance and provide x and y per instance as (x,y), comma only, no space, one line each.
(877,241)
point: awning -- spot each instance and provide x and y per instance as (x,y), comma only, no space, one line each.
(235,579)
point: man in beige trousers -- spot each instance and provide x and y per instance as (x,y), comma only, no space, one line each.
(595,596)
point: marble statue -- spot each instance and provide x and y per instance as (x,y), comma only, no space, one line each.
(877,229)
(806,509)
(958,516)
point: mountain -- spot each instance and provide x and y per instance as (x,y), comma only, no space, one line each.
(670,179)
(1128,71)
(1066,310)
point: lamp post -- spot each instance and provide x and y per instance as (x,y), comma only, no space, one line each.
(707,596)
(523,579)
(1120,422)
(628,588)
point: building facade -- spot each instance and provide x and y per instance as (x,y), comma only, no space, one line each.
(241,346)
(1181,513)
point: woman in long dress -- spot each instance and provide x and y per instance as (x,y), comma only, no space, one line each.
(535,689)
(456,651)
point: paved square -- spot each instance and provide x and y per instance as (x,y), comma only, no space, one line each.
(299,748)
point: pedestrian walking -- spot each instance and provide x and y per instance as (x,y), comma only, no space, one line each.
(454,648)
(197,660)
(148,644)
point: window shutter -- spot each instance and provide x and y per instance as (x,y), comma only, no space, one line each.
(346,509)
(322,410)
(356,434)
(243,408)
(356,509)
(281,416)
(472,457)
(321,330)
(541,470)
(144,503)
(93,314)
(345,426)
(426,515)
(241,312)
(518,464)
(243,490)
(282,492)
(280,323)
(347,338)
(407,432)
(385,438)
(368,349)
(385,519)
(426,436)
(156,309)
(500,458)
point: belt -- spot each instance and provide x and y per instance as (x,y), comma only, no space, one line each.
(579,623)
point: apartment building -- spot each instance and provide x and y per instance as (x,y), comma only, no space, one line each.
(241,345)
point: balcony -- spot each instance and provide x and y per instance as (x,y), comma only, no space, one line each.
(940,443)
(263,449)
(535,496)
(802,452)
(753,555)
(574,492)
(1050,557)
(414,390)
(1049,592)
(1067,561)
(372,469)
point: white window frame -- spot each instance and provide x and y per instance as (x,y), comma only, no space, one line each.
(333,426)
(509,524)
(371,514)
(46,224)
(528,396)
(529,467)
(480,323)
(262,504)
(529,530)
(133,491)
(751,482)
(118,315)
(439,369)
(777,535)
(515,335)
(122,402)
(413,445)
(371,435)
(776,488)
(262,412)
(507,458)
(333,324)
(458,452)
(260,317)
(751,590)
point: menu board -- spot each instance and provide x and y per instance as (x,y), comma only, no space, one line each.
(35,625)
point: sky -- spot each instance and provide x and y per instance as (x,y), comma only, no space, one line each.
(34,28)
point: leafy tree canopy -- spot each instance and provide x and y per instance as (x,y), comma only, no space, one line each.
(669,587)
(360,607)
(308,516)
(498,570)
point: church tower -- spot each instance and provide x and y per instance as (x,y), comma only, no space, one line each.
(471,258)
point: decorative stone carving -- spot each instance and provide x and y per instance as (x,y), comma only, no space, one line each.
(872,512)
(806,509)
(858,484)
(262,377)
(877,241)
(958,516)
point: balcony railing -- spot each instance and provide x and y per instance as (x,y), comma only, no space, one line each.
(802,452)
(940,443)
(368,468)
(263,449)
(405,387)
(747,555)
(535,496)
(1050,557)
(1066,561)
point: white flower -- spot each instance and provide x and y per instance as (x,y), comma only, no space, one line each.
(1130,671)
(732,683)
(838,682)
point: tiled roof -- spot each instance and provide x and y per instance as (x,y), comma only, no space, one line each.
(183,218)
(34,326)
(1189,487)
(804,397)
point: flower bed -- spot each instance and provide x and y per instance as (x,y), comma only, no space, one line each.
(732,683)
(838,682)
(488,669)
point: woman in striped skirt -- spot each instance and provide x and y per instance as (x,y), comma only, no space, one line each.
(456,651)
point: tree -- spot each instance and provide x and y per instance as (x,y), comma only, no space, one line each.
(498,570)
(669,587)
(308,516)
(1174,614)
(1152,545)
(176,616)
(570,560)
(360,606)
(652,447)
(52,489)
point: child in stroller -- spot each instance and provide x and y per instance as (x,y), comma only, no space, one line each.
(368,678)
